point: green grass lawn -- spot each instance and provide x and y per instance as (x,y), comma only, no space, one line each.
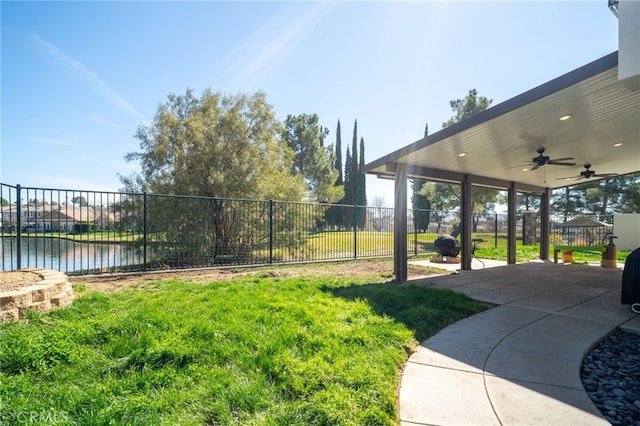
(86,237)
(261,350)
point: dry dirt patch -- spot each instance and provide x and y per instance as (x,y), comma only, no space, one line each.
(380,268)
(14,280)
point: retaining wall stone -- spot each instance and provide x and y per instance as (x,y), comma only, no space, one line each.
(53,291)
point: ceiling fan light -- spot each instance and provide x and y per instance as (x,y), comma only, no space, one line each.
(565,117)
(462,154)
(617,144)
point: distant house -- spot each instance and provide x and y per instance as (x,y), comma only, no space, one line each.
(30,214)
(47,217)
(68,218)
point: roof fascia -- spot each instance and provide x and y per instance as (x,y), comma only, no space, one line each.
(438,175)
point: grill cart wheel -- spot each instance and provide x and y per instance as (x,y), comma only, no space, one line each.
(635,307)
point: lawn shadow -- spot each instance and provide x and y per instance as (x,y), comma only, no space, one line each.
(423,310)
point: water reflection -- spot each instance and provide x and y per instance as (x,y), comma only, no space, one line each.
(66,255)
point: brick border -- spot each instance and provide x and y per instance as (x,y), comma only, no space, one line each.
(53,291)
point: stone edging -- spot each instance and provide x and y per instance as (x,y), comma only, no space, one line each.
(53,291)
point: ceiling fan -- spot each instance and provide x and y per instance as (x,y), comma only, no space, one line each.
(588,173)
(542,160)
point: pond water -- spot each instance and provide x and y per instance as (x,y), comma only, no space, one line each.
(65,255)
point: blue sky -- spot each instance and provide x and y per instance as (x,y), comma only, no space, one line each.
(78,78)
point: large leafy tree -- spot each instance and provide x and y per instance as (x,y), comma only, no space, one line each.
(619,194)
(528,201)
(312,159)
(567,201)
(605,196)
(445,196)
(79,200)
(218,146)
(441,197)
(631,197)
(467,107)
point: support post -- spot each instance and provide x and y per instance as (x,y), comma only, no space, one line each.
(400,269)
(511,223)
(545,202)
(466,211)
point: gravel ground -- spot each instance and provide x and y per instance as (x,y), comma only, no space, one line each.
(611,376)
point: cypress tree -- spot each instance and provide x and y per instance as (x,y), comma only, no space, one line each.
(338,163)
(355,173)
(421,204)
(348,179)
(347,218)
(335,215)
(362,190)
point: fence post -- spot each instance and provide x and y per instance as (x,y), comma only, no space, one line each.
(495,232)
(415,233)
(18,229)
(270,231)
(355,231)
(144,231)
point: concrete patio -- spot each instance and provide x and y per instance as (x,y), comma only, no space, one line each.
(518,363)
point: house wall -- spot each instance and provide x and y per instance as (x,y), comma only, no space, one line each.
(627,228)
(629,43)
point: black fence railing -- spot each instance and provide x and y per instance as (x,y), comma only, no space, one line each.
(82,232)
(87,232)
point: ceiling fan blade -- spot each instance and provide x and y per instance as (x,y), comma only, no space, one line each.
(605,175)
(556,163)
(535,167)
(569,177)
(555,160)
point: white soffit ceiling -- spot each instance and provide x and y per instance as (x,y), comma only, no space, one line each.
(500,142)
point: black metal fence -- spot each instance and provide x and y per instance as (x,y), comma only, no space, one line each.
(86,232)
(82,232)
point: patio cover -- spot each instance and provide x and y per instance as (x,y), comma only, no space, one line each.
(497,144)
(495,148)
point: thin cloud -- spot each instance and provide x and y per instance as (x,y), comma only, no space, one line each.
(80,71)
(99,119)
